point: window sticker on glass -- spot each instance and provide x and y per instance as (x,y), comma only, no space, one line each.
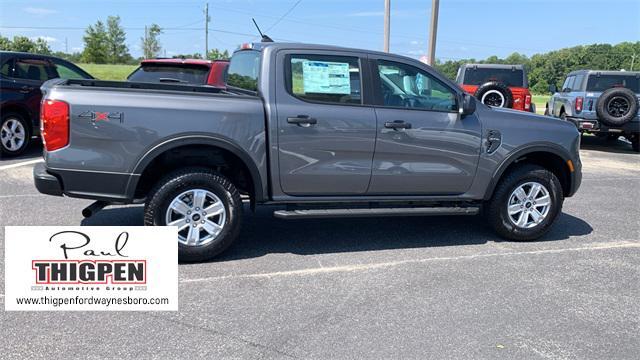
(325,77)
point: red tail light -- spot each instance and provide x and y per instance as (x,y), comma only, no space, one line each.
(579,101)
(54,124)
(527,102)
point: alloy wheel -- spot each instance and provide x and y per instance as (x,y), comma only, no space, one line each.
(529,205)
(199,214)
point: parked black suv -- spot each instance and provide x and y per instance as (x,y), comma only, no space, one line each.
(21,75)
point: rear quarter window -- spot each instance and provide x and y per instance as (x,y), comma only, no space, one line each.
(605,82)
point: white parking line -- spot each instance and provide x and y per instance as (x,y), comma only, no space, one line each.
(365,267)
(28,162)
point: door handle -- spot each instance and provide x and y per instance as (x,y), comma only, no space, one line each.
(397,124)
(302,120)
(26,89)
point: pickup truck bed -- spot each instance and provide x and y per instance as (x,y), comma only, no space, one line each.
(141,118)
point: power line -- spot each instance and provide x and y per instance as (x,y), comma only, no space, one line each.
(284,15)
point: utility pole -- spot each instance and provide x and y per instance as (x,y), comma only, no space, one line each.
(145,45)
(633,59)
(206,30)
(387,24)
(66,45)
(431,53)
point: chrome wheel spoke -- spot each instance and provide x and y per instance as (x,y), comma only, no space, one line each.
(214,209)
(535,189)
(536,216)
(211,227)
(180,223)
(543,201)
(5,128)
(14,125)
(522,219)
(520,194)
(514,209)
(180,207)
(199,196)
(194,236)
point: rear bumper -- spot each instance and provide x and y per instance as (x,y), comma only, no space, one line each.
(593,125)
(107,187)
(45,182)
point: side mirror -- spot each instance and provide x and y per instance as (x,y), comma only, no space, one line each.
(468,105)
(553,88)
(566,90)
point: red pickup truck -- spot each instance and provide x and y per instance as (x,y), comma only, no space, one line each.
(497,85)
(187,71)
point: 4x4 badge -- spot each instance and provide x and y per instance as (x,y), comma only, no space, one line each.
(97,116)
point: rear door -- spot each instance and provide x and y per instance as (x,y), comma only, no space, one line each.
(326,132)
(25,81)
(423,145)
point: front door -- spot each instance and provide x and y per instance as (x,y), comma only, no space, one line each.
(423,145)
(326,133)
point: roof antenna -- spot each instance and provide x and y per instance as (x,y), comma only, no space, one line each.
(264,37)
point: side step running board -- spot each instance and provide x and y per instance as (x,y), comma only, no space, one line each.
(416,211)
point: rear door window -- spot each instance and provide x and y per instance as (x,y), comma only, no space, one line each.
(325,78)
(479,76)
(33,69)
(169,73)
(604,82)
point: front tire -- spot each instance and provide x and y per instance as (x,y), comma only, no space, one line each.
(15,134)
(525,203)
(205,206)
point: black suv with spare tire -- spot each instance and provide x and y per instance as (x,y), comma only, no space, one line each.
(604,103)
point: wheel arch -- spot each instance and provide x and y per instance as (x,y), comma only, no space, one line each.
(549,156)
(203,143)
(19,109)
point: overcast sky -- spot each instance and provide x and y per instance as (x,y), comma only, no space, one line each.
(466,29)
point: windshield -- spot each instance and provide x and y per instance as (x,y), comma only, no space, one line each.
(604,82)
(179,73)
(479,76)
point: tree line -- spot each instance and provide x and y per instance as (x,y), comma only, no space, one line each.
(553,66)
(104,43)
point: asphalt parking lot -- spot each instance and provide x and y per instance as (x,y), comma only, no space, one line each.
(385,287)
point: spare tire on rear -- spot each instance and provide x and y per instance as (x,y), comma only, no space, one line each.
(494,94)
(617,106)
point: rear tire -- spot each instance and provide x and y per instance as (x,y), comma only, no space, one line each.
(15,134)
(199,189)
(528,219)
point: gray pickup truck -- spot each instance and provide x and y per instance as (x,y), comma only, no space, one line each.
(322,131)
(604,103)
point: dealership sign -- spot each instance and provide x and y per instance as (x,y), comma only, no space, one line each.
(91,268)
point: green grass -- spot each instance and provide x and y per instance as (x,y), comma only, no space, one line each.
(108,71)
(541,102)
